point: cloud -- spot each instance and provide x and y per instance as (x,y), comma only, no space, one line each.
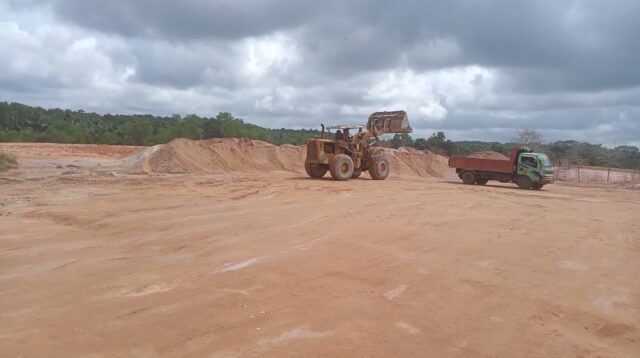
(477,70)
(186,20)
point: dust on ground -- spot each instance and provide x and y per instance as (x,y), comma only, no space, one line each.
(96,260)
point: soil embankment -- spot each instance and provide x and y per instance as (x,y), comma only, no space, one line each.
(249,156)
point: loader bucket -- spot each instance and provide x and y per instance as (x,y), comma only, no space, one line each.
(389,122)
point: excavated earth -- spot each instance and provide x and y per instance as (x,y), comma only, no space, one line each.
(224,248)
(489,155)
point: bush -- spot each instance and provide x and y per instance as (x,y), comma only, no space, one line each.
(7,162)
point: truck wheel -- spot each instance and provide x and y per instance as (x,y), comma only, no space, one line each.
(379,169)
(537,186)
(482,181)
(356,173)
(468,178)
(315,170)
(341,167)
(524,182)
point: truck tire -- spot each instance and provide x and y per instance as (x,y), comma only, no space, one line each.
(537,186)
(315,170)
(468,177)
(356,173)
(341,167)
(524,182)
(379,169)
(482,181)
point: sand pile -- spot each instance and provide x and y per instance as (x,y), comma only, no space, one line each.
(245,155)
(68,151)
(413,162)
(489,155)
(140,160)
(222,155)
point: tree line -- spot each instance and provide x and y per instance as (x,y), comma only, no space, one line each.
(567,152)
(22,123)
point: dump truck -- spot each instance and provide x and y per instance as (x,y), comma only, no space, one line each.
(529,170)
(346,156)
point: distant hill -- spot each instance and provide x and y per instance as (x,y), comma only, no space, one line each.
(22,123)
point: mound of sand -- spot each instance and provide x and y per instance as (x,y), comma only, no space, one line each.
(413,162)
(245,155)
(489,155)
(220,155)
(68,151)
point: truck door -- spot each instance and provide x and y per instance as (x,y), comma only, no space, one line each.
(530,166)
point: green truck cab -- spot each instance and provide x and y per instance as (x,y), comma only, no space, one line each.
(536,166)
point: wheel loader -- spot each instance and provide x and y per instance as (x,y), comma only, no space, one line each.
(346,156)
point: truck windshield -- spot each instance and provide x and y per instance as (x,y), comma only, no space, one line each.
(544,160)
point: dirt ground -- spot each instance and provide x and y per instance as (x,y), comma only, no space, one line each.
(101,263)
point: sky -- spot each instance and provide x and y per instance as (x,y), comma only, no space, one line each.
(477,70)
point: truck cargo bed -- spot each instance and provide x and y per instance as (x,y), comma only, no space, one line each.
(466,163)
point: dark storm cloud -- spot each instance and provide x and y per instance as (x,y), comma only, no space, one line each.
(181,66)
(185,20)
(544,45)
(460,65)
(603,125)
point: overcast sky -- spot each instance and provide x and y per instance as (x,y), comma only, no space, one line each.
(478,70)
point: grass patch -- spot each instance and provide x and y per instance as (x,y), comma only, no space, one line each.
(7,162)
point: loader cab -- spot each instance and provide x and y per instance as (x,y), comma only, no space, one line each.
(321,150)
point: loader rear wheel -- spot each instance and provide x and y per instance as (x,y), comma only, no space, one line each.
(356,173)
(524,182)
(468,178)
(341,167)
(315,170)
(379,168)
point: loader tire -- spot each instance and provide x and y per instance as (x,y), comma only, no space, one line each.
(468,177)
(524,182)
(356,173)
(315,170)
(341,167)
(379,168)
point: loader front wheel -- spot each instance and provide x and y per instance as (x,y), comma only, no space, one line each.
(341,167)
(315,170)
(379,169)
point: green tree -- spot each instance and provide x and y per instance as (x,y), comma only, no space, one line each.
(138,133)
(420,144)
(439,143)
(401,140)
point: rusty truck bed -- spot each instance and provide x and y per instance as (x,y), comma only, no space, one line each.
(492,165)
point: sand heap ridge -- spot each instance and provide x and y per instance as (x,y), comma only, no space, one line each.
(413,162)
(245,155)
(488,155)
(221,155)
